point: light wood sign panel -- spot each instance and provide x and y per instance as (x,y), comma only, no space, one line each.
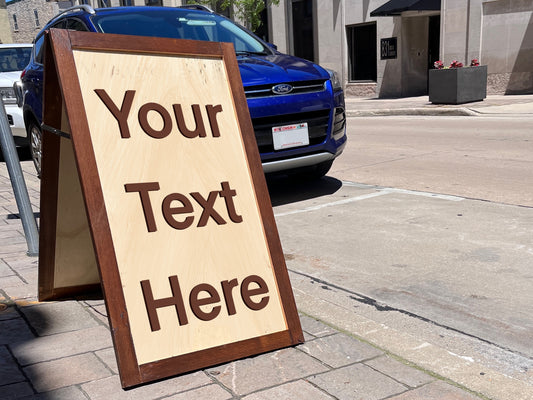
(163,162)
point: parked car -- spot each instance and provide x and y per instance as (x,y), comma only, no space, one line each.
(13,58)
(297,107)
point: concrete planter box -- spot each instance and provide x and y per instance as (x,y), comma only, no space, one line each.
(457,85)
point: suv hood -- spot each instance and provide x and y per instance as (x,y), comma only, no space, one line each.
(277,68)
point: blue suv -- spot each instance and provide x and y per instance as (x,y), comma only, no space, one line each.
(297,107)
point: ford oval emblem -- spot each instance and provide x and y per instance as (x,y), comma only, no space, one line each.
(283,88)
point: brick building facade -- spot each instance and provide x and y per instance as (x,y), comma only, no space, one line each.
(27,18)
(5,29)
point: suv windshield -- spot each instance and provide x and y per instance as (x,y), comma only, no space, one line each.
(14,58)
(177,24)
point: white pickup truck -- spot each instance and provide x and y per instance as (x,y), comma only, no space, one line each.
(13,59)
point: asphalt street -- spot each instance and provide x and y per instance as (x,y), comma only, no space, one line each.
(487,158)
(423,226)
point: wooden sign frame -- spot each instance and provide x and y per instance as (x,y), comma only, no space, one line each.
(77,249)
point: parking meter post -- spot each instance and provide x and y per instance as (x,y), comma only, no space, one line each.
(18,183)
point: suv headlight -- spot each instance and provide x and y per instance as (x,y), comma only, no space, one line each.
(8,95)
(334,78)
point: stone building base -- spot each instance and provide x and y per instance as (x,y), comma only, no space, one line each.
(510,83)
(366,89)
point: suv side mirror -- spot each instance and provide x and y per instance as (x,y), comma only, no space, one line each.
(273,46)
(17,87)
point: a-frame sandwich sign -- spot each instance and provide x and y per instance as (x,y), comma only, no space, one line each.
(152,187)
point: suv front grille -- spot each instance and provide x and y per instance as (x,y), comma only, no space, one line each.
(297,88)
(317,123)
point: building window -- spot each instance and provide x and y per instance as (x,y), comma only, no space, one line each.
(262,31)
(153,2)
(36,14)
(15,23)
(126,3)
(103,3)
(362,52)
(303,44)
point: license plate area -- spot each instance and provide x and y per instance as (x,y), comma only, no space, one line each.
(287,136)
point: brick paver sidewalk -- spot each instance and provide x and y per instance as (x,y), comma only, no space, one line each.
(63,350)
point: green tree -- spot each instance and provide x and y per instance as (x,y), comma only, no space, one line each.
(247,11)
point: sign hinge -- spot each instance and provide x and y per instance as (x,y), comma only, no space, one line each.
(55,131)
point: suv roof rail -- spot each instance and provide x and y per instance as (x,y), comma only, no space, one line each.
(197,7)
(85,7)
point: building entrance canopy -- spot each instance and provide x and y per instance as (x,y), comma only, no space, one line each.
(396,7)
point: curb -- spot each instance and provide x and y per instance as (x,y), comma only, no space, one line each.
(461,112)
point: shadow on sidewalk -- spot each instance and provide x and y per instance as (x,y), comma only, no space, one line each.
(284,190)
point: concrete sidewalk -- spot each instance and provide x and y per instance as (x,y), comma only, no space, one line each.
(63,350)
(496,105)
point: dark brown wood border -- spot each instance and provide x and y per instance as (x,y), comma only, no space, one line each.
(62,43)
(49,182)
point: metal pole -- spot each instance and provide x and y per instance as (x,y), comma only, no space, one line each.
(9,151)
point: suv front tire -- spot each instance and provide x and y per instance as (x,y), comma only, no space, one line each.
(35,136)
